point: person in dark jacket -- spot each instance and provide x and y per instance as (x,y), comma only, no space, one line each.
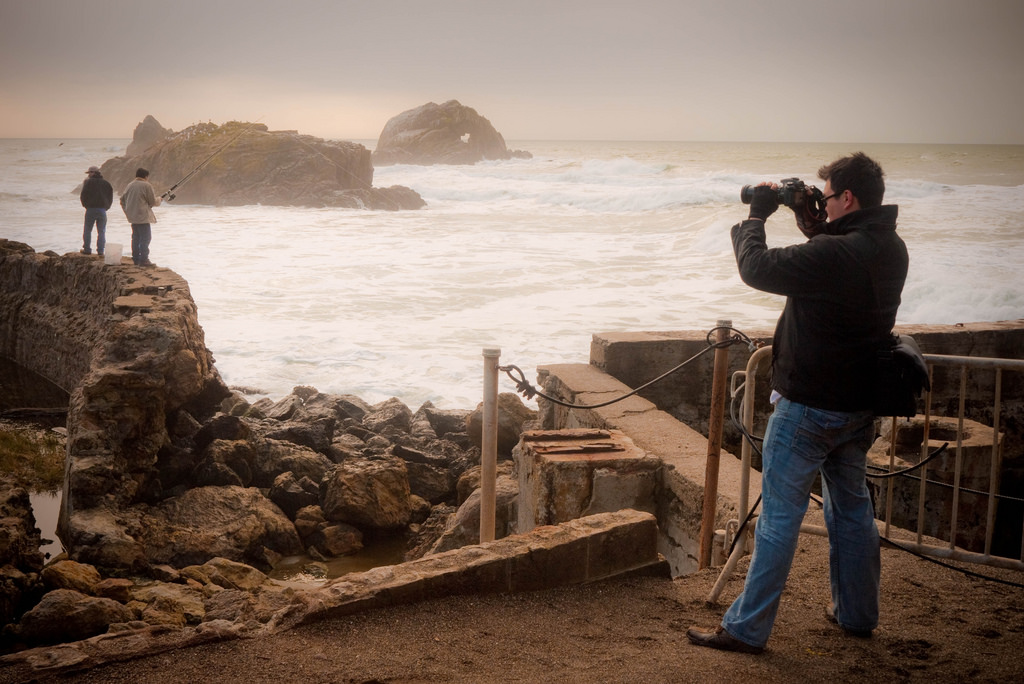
(97,195)
(842,289)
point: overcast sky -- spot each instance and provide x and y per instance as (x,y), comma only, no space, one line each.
(936,71)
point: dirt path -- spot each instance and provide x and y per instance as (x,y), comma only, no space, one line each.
(937,625)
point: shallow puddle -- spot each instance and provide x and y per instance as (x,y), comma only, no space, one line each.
(46,509)
(377,552)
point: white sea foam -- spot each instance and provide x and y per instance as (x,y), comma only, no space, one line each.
(532,256)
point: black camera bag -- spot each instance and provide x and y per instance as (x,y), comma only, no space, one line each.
(901,374)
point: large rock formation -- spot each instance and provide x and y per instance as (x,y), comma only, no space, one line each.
(450,133)
(239,163)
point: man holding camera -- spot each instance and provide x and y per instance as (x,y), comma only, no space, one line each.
(842,290)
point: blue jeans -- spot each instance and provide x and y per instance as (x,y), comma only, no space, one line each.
(99,217)
(142,234)
(799,442)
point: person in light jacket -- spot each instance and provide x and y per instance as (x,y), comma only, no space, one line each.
(138,200)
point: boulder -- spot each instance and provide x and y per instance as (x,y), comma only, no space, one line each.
(345,446)
(225,463)
(169,604)
(512,417)
(68,615)
(449,133)
(308,521)
(432,473)
(391,414)
(114,588)
(469,481)
(274,457)
(463,528)
(67,574)
(369,493)
(315,434)
(292,494)
(221,426)
(444,421)
(243,163)
(229,574)
(339,540)
(100,536)
(236,523)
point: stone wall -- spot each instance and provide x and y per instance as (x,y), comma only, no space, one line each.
(52,311)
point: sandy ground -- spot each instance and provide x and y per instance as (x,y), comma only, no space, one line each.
(937,625)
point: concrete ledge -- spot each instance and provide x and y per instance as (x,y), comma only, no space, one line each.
(682,450)
(583,550)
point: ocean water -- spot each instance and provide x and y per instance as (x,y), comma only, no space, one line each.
(531,256)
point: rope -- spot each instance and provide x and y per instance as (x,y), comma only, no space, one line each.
(911,469)
(524,387)
(947,485)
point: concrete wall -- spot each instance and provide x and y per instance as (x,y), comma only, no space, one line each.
(681,449)
(655,420)
(636,357)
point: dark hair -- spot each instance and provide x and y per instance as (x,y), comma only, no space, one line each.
(858,173)
(141,173)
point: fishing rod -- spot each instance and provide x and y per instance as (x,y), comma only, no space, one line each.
(169,194)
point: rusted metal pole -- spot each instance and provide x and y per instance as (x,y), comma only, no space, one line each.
(716,421)
(489,445)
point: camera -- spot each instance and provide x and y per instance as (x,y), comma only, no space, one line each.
(793,194)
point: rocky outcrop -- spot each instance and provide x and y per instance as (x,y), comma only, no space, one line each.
(147,133)
(167,469)
(241,163)
(450,133)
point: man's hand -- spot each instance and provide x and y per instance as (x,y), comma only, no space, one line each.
(764,202)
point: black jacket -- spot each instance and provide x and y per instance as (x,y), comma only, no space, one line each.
(96,193)
(842,290)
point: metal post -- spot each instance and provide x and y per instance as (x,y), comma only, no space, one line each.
(716,421)
(489,445)
(739,549)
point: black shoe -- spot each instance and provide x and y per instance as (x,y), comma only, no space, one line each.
(100,252)
(147,263)
(85,251)
(721,640)
(830,615)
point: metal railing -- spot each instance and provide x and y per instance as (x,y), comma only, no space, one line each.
(924,542)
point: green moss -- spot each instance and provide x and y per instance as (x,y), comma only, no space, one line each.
(34,459)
